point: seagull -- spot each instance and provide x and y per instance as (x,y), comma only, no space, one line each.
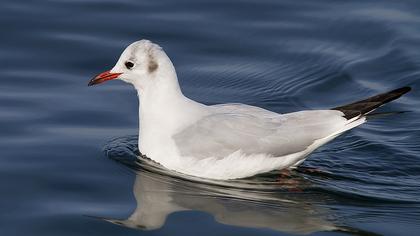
(224,141)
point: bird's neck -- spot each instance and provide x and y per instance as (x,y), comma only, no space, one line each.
(162,112)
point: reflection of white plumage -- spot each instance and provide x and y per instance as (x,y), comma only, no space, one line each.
(158,196)
(223,141)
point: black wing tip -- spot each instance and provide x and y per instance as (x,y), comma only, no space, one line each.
(401,90)
(365,106)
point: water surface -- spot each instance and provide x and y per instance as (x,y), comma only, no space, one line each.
(67,164)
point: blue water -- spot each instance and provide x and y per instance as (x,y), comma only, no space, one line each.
(67,163)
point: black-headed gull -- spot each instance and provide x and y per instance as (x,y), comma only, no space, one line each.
(225,141)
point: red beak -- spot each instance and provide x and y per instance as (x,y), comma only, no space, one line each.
(102,77)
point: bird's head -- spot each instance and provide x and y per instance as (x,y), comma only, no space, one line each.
(142,64)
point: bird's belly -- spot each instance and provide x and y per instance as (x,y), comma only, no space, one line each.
(161,150)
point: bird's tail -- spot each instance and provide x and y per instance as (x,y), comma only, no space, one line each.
(363,107)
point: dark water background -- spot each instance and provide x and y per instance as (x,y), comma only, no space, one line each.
(285,56)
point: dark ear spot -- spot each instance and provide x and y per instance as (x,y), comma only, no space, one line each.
(152,64)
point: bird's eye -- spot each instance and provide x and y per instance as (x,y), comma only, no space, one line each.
(129,64)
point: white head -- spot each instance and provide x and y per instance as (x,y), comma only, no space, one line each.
(144,65)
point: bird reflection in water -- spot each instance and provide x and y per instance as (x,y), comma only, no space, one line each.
(278,201)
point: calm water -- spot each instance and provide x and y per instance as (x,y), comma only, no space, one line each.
(67,163)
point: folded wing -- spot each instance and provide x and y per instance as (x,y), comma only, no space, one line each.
(252,130)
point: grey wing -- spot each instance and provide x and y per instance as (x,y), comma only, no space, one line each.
(253,130)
